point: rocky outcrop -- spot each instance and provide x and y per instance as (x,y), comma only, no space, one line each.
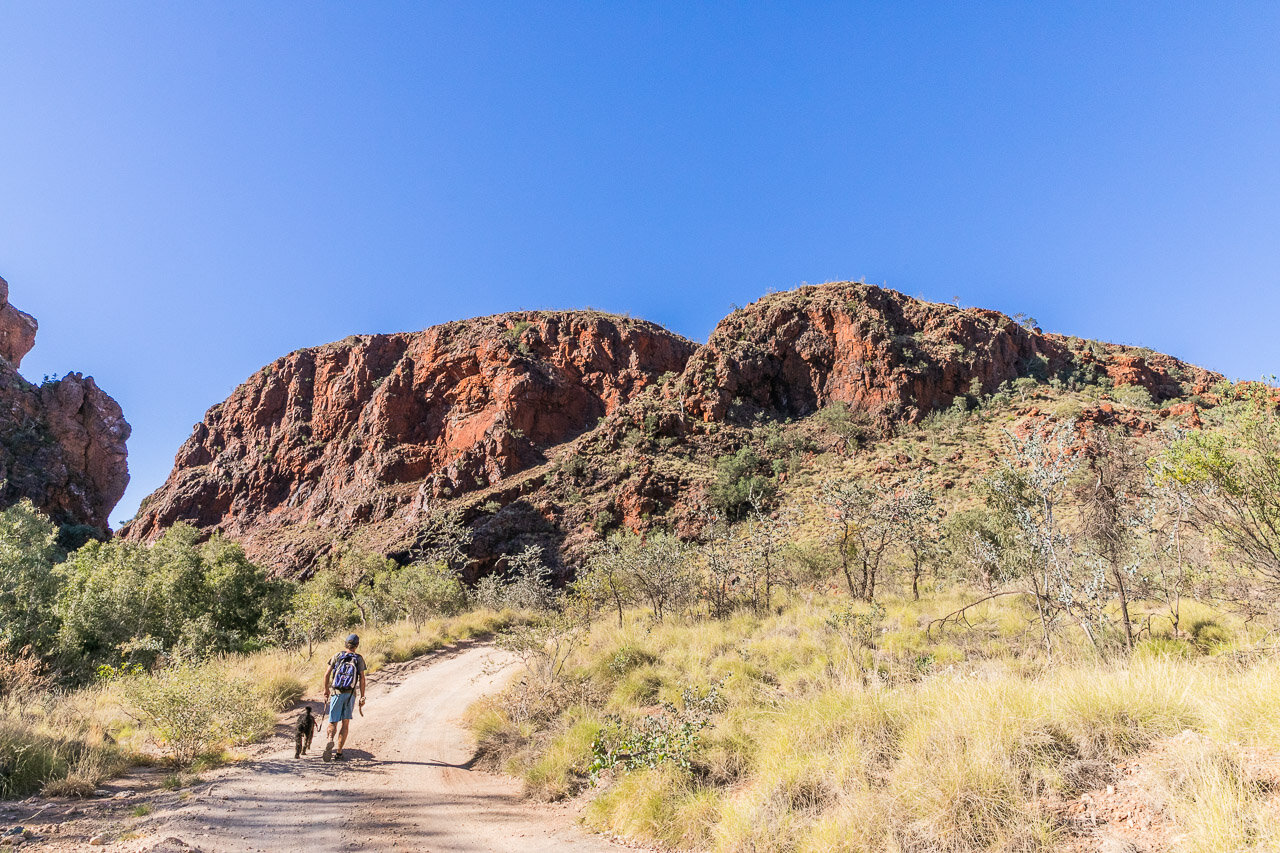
(898,358)
(380,429)
(63,443)
(17,330)
(551,428)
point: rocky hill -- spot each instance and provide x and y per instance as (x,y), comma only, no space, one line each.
(62,443)
(554,427)
(378,431)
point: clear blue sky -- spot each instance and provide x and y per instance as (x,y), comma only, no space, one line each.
(189,190)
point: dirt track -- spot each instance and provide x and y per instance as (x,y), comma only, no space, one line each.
(405,783)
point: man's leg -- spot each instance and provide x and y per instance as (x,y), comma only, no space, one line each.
(328,747)
(342,734)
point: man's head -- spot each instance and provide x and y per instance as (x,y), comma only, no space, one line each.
(353,640)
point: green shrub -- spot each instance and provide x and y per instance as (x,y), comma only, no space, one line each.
(198,709)
(29,553)
(741,480)
(854,426)
(1133,395)
(319,610)
(423,591)
(181,594)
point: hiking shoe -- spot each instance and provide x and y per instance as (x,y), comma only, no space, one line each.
(328,751)
(338,755)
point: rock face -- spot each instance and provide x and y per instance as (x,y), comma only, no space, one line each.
(17,330)
(62,444)
(365,439)
(379,429)
(898,358)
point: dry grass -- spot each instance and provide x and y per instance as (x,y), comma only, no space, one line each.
(68,742)
(820,746)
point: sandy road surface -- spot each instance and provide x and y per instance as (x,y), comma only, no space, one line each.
(405,783)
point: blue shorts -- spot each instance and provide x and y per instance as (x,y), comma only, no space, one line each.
(341,705)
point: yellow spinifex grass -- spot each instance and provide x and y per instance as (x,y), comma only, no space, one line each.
(820,745)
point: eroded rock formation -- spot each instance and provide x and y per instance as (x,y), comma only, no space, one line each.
(898,358)
(378,429)
(17,330)
(549,428)
(63,443)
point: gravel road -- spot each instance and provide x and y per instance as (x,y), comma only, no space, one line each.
(405,784)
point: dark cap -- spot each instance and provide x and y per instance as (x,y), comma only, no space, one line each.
(353,640)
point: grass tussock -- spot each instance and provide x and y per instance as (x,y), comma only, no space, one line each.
(818,744)
(32,758)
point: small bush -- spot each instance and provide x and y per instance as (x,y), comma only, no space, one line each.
(1133,395)
(854,426)
(198,709)
(742,480)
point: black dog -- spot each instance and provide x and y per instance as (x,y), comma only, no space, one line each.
(307,725)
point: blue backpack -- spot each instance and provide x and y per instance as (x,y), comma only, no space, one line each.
(345,671)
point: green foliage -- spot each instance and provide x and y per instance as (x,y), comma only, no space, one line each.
(74,536)
(516,335)
(1037,368)
(360,577)
(544,646)
(319,609)
(1133,395)
(179,595)
(1230,480)
(443,538)
(29,582)
(1023,386)
(672,736)
(865,522)
(857,630)
(948,421)
(528,587)
(422,591)
(979,543)
(602,521)
(854,426)
(195,710)
(741,481)
(524,587)
(604,583)
(657,570)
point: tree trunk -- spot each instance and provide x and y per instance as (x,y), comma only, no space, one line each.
(1118,574)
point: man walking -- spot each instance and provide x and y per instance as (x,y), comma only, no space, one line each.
(344,675)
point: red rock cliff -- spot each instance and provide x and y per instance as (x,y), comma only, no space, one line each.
(376,428)
(363,439)
(893,356)
(62,444)
(17,330)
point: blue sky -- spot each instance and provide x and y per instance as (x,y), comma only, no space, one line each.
(190,190)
